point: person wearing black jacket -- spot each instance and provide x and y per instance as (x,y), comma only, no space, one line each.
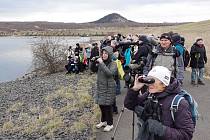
(144,49)
(94,54)
(198,61)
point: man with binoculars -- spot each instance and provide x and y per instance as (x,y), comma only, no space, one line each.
(153,107)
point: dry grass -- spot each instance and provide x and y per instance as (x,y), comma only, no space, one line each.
(15,107)
(49,120)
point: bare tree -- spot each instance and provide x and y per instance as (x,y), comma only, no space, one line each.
(48,54)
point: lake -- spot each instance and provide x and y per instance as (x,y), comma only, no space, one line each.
(16,55)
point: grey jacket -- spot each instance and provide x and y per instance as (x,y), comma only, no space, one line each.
(167,59)
(106,86)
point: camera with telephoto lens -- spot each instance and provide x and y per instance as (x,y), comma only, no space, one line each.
(136,69)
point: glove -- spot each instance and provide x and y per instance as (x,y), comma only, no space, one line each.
(139,110)
(156,127)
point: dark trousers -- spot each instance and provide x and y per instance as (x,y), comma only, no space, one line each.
(106,114)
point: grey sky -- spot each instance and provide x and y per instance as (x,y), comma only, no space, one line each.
(90,10)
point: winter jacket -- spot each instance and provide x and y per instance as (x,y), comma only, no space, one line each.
(94,52)
(166,58)
(143,51)
(198,63)
(76,51)
(180,129)
(106,85)
(127,55)
(180,48)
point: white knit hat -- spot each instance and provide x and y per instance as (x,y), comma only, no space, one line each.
(161,73)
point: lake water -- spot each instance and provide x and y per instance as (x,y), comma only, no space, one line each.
(16,56)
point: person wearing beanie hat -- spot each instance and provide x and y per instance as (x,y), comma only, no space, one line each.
(166,36)
(165,54)
(197,62)
(106,87)
(153,107)
(161,73)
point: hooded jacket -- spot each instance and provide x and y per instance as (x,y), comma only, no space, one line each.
(106,85)
(180,129)
(196,49)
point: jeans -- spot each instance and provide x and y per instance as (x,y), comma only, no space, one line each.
(197,74)
(118,87)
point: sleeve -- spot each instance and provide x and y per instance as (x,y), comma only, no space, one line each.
(180,66)
(205,56)
(192,51)
(184,126)
(109,71)
(147,67)
(133,99)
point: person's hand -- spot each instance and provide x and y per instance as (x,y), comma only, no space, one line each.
(99,60)
(156,127)
(137,85)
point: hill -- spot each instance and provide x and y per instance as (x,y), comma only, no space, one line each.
(111,20)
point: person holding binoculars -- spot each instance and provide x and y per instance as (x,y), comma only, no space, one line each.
(153,107)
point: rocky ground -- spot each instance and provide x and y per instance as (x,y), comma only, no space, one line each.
(56,106)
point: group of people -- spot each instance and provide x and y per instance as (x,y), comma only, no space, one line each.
(165,63)
(79,57)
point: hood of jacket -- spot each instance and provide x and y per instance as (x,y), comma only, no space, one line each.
(110,52)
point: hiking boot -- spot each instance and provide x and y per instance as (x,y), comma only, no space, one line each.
(193,83)
(108,128)
(101,124)
(201,82)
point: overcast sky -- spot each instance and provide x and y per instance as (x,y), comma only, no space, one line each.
(90,10)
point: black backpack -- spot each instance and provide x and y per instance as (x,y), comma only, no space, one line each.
(186,57)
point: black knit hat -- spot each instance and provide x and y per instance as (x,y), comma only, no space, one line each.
(166,36)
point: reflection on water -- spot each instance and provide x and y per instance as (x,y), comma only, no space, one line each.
(16,57)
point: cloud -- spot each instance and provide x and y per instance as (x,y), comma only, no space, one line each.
(86,11)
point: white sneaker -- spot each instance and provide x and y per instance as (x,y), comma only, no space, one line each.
(108,128)
(101,124)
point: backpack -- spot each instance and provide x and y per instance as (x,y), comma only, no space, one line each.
(192,105)
(176,38)
(120,70)
(175,53)
(186,57)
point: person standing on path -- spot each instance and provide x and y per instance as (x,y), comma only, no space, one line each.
(153,108)
(106,88)
(198,61)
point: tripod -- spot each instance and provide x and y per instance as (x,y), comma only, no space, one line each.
(118,120)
